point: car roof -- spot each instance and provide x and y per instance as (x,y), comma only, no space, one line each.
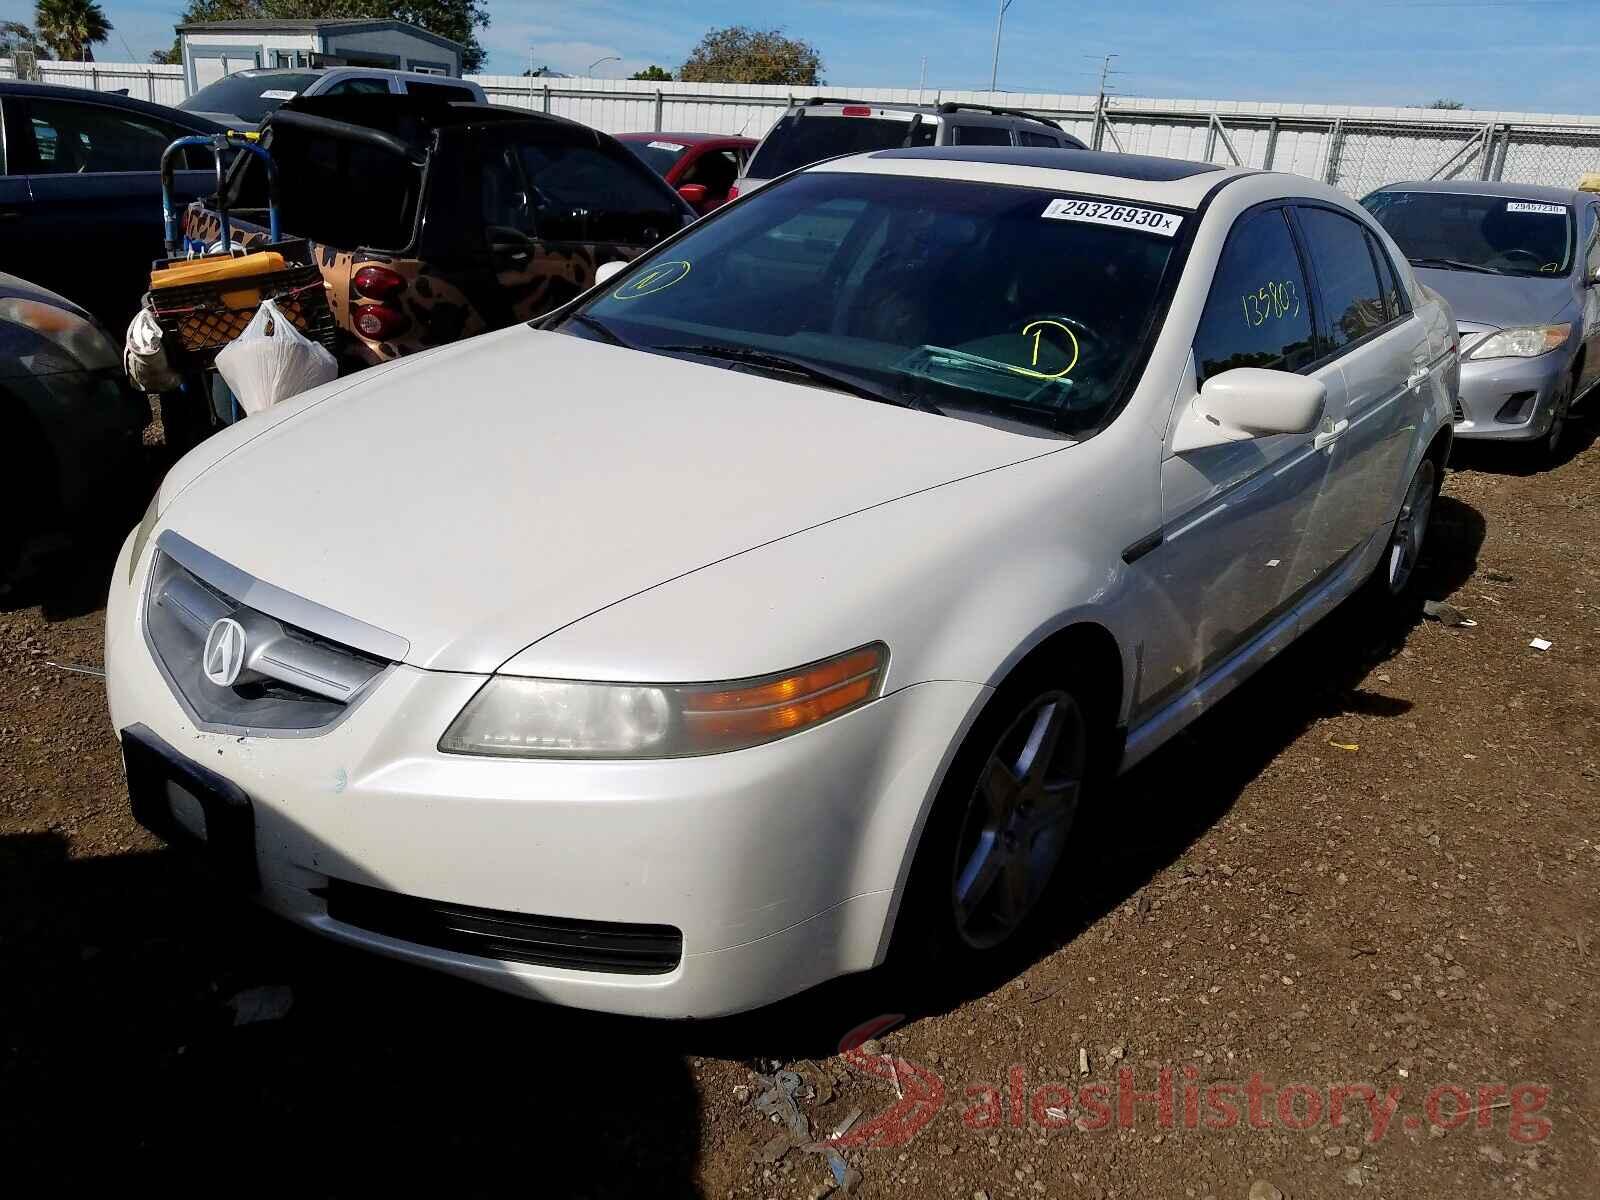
(1170,181)
(685,139)
(427,111)
(350,68)
(1488,187)
(56,91)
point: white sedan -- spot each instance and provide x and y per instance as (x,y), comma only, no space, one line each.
(775,606)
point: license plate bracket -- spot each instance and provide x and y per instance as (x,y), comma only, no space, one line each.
(191,808)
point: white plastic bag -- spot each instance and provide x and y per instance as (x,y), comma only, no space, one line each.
(144,358)
(272,360)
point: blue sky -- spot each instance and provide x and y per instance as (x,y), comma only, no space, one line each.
(1532,55)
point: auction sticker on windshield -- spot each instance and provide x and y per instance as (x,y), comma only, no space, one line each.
(1099,212)
(1528,206)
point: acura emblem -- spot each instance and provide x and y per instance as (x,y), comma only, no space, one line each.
(224,656)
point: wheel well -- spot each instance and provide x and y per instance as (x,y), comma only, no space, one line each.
(1439,448)
(1090,654)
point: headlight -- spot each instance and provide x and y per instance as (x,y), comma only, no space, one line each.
(1528,342)
(553,718)
(81,339)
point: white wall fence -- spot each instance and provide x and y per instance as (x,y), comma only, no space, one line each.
(1357,148)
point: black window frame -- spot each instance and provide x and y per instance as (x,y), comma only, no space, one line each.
(1313,295)
(1332,354)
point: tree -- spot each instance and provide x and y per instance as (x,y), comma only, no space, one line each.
(70,27)
(1451,104)
(15,33)
(739,54)
(653,73)
(458,20)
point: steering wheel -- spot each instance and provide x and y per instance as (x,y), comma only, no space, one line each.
(1527,254)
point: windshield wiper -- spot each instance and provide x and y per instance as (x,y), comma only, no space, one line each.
(1454,264)
(768,361)
(604,330)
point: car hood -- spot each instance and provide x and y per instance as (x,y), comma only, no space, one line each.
(479,498)
(1499,301)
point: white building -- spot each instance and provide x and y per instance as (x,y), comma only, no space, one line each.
(212,49)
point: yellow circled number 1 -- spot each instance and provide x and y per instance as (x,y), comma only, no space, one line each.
(1036,329)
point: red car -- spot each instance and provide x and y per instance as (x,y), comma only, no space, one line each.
(702,166)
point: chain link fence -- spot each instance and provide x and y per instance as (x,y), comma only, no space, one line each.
(1358,151)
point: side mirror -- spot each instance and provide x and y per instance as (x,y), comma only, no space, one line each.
(694,193)
(1247,403)
(606,270)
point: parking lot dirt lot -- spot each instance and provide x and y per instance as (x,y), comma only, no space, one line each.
(1374,865)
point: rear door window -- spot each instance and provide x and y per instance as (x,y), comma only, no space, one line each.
(982,135)
(1352,297)
(574,191)
(1257,314)
(799,140)
(361,85)
(1027,137)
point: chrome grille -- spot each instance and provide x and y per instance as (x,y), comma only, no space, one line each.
(292,679)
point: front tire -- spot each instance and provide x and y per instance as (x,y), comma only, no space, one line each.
(1393,581)
(1001,824)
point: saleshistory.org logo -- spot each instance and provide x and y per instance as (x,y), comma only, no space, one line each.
(1178,1097)
(224,652)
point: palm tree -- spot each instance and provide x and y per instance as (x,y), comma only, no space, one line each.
(70,27)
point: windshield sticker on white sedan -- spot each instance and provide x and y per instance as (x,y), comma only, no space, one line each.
(1528,206)
(278,94)
(1128,216)
(657,278)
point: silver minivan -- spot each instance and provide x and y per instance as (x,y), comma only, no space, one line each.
(825,127)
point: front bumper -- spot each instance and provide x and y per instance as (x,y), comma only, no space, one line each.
(1509,399)
(779,864)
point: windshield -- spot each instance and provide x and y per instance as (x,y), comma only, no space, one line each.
(1498,235)
(657,154)
(801,139)
(1012,306)
(249,97)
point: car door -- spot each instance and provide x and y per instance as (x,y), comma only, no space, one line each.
(557,203)
(1239,546)
(1368,327)
(93,175)
(1590,283)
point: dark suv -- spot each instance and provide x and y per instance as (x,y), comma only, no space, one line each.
(434,221)
(823,127)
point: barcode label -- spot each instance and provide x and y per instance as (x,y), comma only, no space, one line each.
(1555,210)
(1127,216)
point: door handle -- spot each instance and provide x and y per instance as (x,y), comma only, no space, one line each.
(1329,436)
(1417,377)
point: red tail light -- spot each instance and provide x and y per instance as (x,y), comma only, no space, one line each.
(378,283)
(377,322)
(857,110)
(733,191)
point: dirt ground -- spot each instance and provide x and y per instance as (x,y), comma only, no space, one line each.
(1372,868)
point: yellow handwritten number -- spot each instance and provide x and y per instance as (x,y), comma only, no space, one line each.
(1036,329)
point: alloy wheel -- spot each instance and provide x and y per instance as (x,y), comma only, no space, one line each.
(1018,819)
(1410,528)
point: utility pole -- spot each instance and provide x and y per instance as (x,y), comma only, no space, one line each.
(922,85)
(999,20)
(1100,100)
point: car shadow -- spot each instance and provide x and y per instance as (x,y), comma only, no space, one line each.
(119,1013)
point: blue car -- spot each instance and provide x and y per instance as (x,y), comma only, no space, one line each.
(80,191)
(1520,265)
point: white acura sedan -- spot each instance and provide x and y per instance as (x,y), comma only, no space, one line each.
(771,605)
